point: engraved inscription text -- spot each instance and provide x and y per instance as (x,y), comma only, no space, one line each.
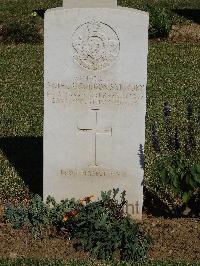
(92,172)
(85,91)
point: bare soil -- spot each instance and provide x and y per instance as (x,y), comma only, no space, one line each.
(174,239)
(184,33)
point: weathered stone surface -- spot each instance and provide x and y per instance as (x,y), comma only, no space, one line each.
(95,102)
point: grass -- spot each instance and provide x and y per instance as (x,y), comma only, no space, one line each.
(44,262)
(171,4)
(21,10)
(21,96)
(22,90)
(21,26)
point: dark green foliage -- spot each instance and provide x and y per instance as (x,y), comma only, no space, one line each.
(100,227)
(22,32)
(176,165)
(160,22)
(58,210)
(103,229)
(180,174)
(17,216)
(39,214)
(36,215)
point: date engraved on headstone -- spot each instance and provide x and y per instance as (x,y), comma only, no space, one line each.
(95,45)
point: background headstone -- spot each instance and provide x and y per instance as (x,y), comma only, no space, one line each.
(95,102)
(89,3)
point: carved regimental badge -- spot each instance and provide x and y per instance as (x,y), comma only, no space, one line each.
(95,45)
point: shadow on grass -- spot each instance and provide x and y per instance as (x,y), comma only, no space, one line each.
(26,155)
(154,206)
(191,14)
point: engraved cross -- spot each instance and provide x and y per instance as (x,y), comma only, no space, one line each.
(97,131)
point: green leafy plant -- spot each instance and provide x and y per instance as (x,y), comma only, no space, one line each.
(177,163)
(38,215)
(16,215)
(179,174)
(100,227)
(103,229)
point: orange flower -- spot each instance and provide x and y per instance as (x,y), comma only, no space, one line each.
(87,199)
(65,218)
(82,202)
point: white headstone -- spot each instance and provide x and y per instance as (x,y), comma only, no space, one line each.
(95,102)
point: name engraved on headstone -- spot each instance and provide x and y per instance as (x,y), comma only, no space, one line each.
(92,172)
(99,92)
